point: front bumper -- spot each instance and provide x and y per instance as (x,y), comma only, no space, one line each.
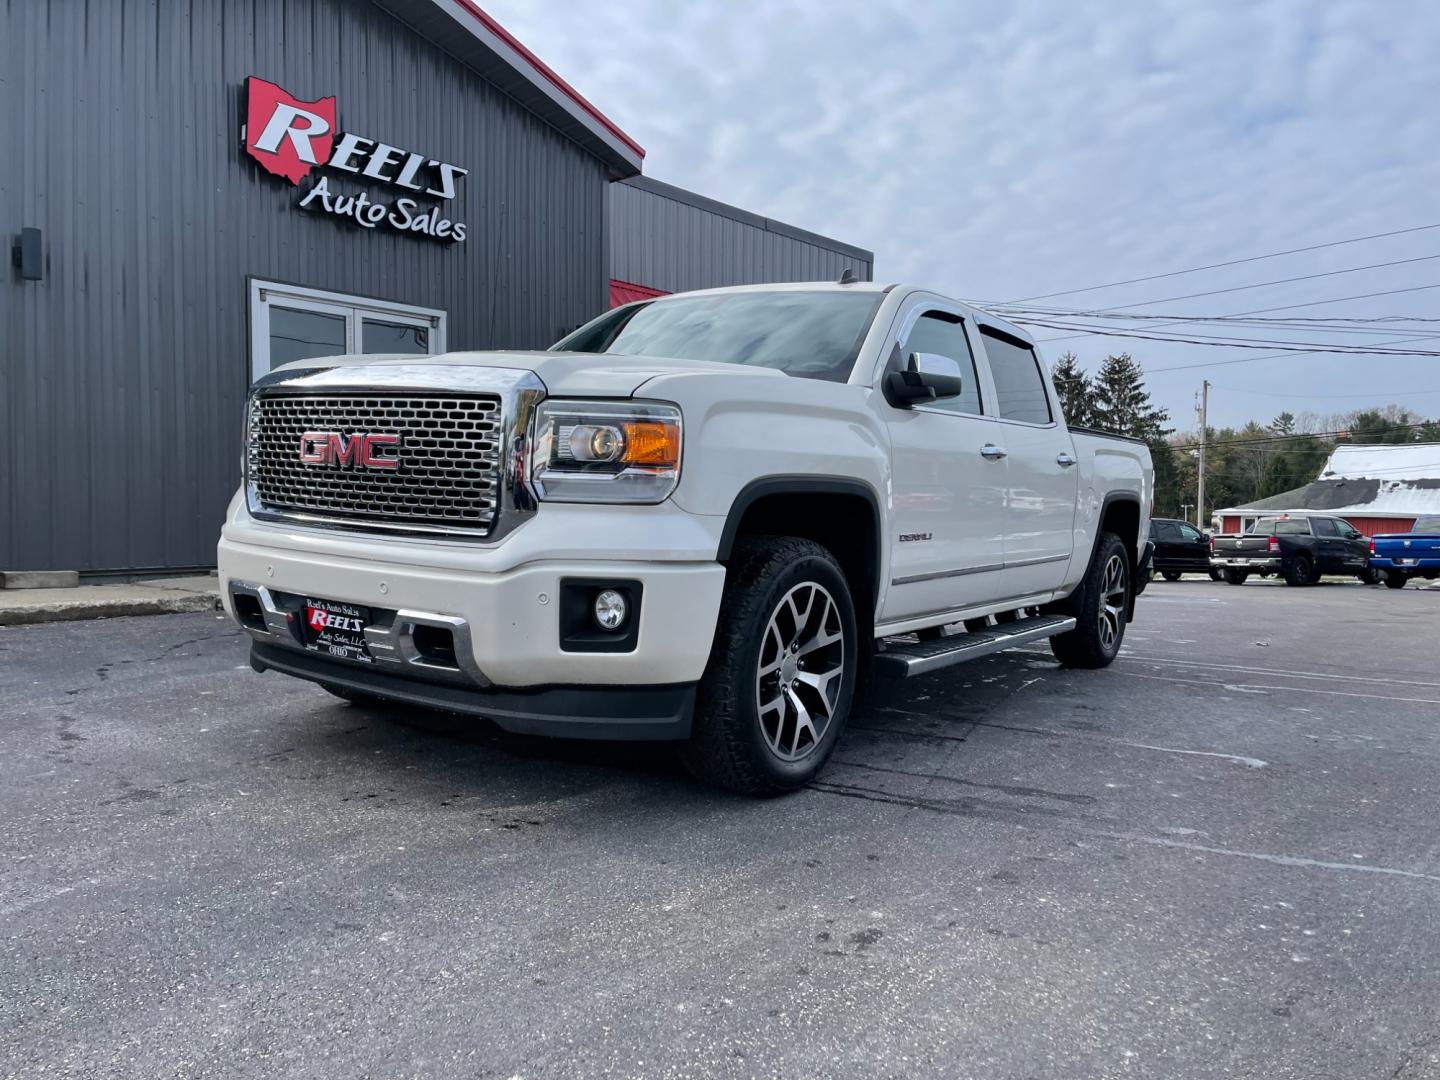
(577,712)
(505,624)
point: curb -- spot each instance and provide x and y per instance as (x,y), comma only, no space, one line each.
(164,602)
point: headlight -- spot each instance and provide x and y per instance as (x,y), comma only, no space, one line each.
(605,451)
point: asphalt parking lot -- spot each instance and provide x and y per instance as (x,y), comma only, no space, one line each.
(1218,858)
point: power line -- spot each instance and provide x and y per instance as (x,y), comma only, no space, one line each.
(1232,262)
(1311,397)
(1379,349)
(1281,307)
(1279,281)
(1267,356)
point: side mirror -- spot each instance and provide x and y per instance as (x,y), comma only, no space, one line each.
(927,377)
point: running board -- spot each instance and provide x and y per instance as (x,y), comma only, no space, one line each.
(902,658)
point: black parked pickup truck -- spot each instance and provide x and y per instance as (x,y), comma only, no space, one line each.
(1180,548)
(1298,548)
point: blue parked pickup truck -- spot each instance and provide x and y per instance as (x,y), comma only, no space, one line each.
(1397,557)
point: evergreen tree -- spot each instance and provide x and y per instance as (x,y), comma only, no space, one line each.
(1294,464)
(1073,387)
(1122,404)
(1394,424)
(1284,424)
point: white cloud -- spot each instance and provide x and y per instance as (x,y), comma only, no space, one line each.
(1002,149)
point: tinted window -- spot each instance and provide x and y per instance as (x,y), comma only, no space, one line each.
(812,334)
(1019,385)
(1324,527)
(944,334)
(388,337)
(1348,531)
(1189,533)
(299,335)
(1279,527)
(1167,530)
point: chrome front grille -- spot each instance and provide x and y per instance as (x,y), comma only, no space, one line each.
(447,480)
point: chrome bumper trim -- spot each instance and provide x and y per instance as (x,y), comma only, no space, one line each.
(391,645)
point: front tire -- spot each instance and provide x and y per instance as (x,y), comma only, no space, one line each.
(1104,596)
(1394,580)
(781,678)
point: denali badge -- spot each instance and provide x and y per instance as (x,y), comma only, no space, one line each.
(331,448)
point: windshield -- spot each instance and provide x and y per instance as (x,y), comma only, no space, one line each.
(816,335)
(1277,527)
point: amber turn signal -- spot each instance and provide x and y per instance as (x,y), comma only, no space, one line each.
(655,443)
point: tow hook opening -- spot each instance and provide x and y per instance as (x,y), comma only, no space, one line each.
(248,611)
(435,644)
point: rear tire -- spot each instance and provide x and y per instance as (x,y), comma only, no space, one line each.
(1236,577)
(1369,577)
(1394,580)
(1216,575)
(1300,572)
(1104,596)
(1170,575)
(781,677)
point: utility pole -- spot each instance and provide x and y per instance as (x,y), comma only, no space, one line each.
(1200,471)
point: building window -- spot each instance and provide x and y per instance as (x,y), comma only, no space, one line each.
(288,323)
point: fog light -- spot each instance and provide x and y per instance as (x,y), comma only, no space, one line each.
(610,609)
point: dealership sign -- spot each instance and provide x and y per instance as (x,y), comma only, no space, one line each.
(290,138)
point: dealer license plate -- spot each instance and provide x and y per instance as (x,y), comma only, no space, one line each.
(337,629)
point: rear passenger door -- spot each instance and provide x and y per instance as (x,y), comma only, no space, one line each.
(1356,551)
(1329,547)
(1043,481)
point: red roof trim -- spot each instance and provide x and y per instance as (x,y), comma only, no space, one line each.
(488,21)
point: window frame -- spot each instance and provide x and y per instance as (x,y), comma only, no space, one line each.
(348,306)
(921,311)
(1046,386)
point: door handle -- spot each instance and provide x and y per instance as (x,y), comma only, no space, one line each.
(1064,460)
(992,452)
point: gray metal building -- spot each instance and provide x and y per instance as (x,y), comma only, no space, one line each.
(197,192)
(659,227)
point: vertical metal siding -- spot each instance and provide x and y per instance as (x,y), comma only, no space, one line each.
(123,372)
(668,244)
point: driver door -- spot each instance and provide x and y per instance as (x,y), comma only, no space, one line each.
(948,495)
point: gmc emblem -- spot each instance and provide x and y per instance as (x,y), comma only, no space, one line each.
(359,449)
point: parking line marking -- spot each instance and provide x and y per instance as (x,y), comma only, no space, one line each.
(1281,860)
(1248,762)
(1253,687)
(1277,671)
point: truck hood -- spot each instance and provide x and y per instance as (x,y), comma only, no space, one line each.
(565,374)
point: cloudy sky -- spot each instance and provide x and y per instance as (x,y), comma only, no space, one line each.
(1009,149)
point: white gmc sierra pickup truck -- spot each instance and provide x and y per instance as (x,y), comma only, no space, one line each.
(705,517)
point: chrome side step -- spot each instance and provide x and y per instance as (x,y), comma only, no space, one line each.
(903,658)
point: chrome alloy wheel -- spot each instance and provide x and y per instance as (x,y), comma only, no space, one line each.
(800,676)
(1112,602)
